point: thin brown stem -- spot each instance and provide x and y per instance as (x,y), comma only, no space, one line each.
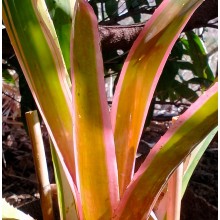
(40,164)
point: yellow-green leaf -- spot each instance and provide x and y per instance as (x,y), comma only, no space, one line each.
(195,156)
(68,195)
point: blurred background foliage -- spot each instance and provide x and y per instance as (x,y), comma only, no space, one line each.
(187,73)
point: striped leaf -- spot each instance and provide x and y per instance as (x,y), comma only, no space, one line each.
(68,196)
(35,43)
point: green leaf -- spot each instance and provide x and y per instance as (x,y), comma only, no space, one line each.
(61,13)
(195,156)
(167,83)
(184,65)
(7,77)
(184,91)
(199,56)
(111,8)
(200,81)
(139,77)
(68,197)
(35,43)
(131,4)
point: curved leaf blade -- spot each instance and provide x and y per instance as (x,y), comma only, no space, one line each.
(139,78)
(167,154)
(189,165)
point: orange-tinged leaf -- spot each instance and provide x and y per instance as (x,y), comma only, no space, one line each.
(93,136)
(182,137)
(139,78)
(189,166)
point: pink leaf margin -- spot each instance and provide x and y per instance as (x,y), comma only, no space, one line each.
(138,41)
(108,133)
(164,139)
(148,25)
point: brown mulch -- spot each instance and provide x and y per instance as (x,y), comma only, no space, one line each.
(19,182)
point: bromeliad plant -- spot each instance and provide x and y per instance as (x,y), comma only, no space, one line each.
(94,150)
